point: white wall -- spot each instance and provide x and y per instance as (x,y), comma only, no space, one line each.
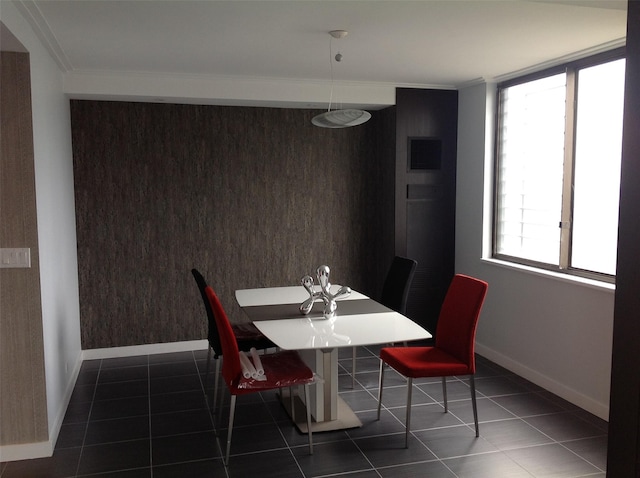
(56,220)
(554,331)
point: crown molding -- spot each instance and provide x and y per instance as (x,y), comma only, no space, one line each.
(620,42)
(31,13)
(230,90)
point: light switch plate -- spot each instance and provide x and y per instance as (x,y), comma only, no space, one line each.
(13,258)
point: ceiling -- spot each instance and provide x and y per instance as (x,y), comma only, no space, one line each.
(105,46)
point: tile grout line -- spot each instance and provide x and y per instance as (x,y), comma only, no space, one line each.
(561,443)
(293,455)
(490,399)
(86,428)
(210,412)
(402,433)
(436,402)
(150,424)
(586,453)
(518,417)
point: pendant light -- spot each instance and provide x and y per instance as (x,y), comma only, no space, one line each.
(342,118)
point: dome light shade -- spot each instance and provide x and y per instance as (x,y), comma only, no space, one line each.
(341,118)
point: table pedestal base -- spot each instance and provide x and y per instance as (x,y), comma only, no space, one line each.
(346,416)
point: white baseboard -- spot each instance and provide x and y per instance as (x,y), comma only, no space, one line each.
(146,349)
(57,424)
(29,451)
(598,409)
(26,451)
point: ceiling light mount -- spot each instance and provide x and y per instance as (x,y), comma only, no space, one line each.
(337,34)
(342,118)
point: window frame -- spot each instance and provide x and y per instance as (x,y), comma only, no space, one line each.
(564,254)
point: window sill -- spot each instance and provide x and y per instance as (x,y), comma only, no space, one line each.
(583,281)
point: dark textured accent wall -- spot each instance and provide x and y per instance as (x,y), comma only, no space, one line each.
(252,197)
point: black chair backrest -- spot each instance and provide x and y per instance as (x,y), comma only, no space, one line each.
(395,290)
(212,334)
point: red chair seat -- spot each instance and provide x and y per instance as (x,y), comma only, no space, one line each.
(283,369)
(418,362)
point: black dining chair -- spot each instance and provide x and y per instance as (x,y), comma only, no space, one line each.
(395,292)
(247,336)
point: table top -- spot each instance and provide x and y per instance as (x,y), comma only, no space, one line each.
(358,320)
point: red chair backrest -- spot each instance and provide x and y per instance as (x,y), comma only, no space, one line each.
(231,368)
(456,330)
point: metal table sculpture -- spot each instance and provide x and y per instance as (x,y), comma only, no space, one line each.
(324,293)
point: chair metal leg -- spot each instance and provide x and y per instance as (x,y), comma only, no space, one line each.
(206,373)
(292,405)
(232,412)
(472,382)
(216,383)
(308,403)
(353,368)
(444,394)
(221,407)
(380,382)
(408,419)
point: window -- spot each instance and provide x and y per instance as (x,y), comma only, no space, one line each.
(559,146)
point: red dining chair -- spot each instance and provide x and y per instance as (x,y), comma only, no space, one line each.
(453,352)
(247,336)
(283,369)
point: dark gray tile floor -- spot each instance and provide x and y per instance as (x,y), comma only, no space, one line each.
(147,416)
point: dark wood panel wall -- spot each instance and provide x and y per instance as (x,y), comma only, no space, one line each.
(23,408)
(623,458)
(425,192)
(251,197)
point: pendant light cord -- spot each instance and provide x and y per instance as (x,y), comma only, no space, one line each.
(331,70)
(338,118)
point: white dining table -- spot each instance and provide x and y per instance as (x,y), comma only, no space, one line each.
(358,320)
